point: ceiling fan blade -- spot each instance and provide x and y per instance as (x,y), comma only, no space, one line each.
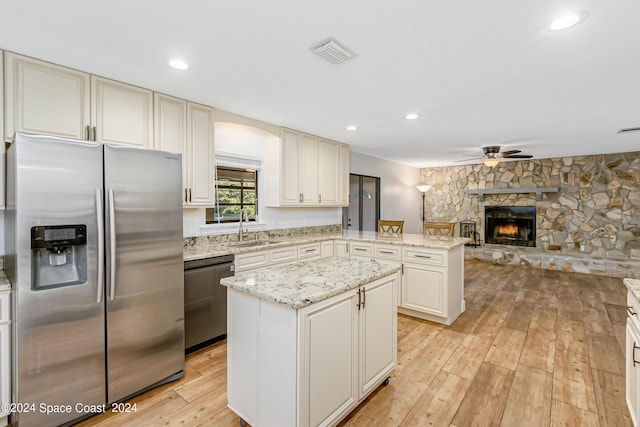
(518,156)
(510,152)
(467,160)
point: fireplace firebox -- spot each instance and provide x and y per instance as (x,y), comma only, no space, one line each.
(510,225)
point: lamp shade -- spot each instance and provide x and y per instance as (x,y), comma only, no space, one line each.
(424,188)
(491,162)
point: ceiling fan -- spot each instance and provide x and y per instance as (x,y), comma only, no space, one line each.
(492,155)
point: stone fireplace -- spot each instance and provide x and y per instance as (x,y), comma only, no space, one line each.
(510,225)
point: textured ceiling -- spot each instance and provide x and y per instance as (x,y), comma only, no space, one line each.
(477,73)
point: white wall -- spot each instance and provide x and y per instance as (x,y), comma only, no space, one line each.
(399,197)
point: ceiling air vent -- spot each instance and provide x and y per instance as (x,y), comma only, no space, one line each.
(332,51)
(627,130)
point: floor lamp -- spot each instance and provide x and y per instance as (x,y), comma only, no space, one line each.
(423,189)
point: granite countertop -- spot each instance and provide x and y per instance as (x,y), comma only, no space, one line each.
(212,250)
(4,282)
(301,284)
(634,286)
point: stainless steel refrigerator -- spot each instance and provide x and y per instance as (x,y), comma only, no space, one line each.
(94,254)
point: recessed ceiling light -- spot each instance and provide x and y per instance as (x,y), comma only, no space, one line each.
(411,116)
(178,64)
(568,20)
(352,128)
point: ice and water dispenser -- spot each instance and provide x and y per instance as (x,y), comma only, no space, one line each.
(58,256)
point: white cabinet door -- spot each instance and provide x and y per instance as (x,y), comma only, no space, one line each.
(328,172)
(289,172)
(44,98)
(378,343)
(632,389)
(341,248)
(309,168)
(423,289)
(330,349)
(201,157)
(170,129)
(343,194)
(326,248)
(121,113)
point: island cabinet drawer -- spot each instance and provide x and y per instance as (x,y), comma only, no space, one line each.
(309,251)
(283,255)
(387,252)
(5,316)
(361,250)
(425,256)
(251,260)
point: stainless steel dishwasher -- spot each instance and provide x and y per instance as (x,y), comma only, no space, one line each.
(205,301)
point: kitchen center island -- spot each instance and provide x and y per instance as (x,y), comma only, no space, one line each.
(307,342)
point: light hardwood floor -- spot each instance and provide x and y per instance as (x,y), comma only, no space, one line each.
(534,348)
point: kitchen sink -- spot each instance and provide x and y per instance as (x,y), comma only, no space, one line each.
(251,243)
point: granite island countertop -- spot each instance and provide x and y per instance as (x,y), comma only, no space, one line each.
(298,285)
(210,250)
(634,286)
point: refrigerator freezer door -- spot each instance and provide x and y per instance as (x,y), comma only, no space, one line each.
(58,320)
(144,286)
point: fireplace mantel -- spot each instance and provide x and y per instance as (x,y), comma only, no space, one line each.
(537,190)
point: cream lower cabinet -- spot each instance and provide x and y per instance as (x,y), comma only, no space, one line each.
(265,258)
(432,283)
(341,248)
(632,355)
(312,366)
(5,354)
(632,392)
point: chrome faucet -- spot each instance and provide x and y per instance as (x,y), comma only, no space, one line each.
(243,216)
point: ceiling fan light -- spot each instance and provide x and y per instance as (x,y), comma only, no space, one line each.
(491,162)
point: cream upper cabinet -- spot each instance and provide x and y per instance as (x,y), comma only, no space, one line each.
(290,167)
(201,170)
(187,128)
(308,161)
(45,98)
(328,171)
(343,172)
(170,130)
(121,113)
(304,170)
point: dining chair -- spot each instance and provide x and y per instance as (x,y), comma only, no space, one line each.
(440,230)
(390,226)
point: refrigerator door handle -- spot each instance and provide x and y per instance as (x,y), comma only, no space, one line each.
(100,224)
(112,245)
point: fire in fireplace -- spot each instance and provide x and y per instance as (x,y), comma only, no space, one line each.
(510,225)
